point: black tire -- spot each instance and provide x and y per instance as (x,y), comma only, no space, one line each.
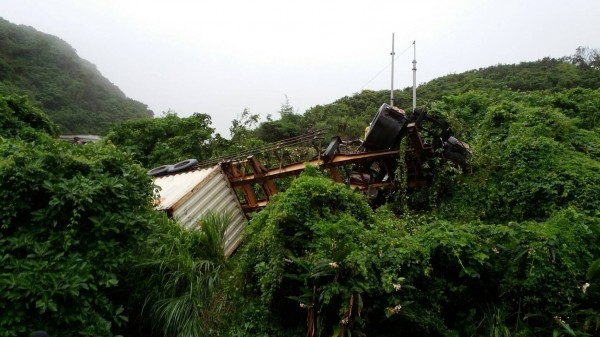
(385,130)
(160,171)
(183,165)
(457,158)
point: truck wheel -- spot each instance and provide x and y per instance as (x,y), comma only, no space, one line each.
(456,158)
(159,171)
(183,165)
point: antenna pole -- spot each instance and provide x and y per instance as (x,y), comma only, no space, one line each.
(414,62)
(392,91)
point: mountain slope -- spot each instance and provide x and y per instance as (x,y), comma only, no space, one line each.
(69,89)
(545,74)
(349,115)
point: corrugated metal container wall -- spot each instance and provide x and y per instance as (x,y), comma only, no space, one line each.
(189,195)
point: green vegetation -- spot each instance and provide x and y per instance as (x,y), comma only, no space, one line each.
(534,157)
(315,256)
(181,273)
(71,218)
(510,248)
(319,259)
(166,140)
(70,90)
(289,124)
(19,119)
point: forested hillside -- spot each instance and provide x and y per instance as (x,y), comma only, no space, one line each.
(69,89)
(507,246)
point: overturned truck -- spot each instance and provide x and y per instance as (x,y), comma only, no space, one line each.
(368,165)
(240,183)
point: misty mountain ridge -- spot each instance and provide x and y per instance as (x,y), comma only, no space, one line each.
(68,88)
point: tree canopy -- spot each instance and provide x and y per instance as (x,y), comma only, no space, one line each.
(167,140)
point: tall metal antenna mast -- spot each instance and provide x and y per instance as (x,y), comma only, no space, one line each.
(392,91)
(414,62)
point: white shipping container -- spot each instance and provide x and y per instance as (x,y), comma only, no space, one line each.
(187,196)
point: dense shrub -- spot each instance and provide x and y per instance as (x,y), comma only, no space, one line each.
(531,158)
(315,256)
(317,259)
(71,217)
(475,276)
(18,118)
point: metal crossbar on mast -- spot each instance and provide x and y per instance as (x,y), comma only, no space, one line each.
(392,91)
(414,62)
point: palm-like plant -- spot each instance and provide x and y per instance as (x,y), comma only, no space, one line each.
(185,274)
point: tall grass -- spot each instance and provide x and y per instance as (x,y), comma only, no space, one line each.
(185,270)
(493,322)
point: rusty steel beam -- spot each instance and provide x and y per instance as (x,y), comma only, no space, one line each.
(233,171)
(335,174)
(297,168)
(251,208)
(268,185)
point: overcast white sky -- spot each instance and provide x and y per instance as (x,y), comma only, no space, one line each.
(221,56)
